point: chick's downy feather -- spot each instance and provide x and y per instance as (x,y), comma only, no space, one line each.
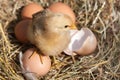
(49,32)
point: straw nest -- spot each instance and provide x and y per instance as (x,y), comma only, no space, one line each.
(101,16)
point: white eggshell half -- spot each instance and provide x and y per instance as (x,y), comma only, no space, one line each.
(83,42)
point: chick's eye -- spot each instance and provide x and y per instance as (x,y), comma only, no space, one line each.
(66,26)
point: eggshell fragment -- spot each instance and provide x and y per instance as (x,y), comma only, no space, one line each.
(35,63)
(21,29)
(69,50)
(62,8)
(83,42)
(30,9)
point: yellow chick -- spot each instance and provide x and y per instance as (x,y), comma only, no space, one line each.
(50,32)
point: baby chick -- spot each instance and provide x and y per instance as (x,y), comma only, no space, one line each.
(49,32)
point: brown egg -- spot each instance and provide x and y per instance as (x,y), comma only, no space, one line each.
(62,8)
(21,29)
(30,9)
(83,42)
(35,63)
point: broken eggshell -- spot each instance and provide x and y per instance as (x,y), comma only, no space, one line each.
(83,42)
(33,64)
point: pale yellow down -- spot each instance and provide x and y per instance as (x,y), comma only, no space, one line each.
(49,32)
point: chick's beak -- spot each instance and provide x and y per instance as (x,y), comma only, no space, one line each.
(73,26)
